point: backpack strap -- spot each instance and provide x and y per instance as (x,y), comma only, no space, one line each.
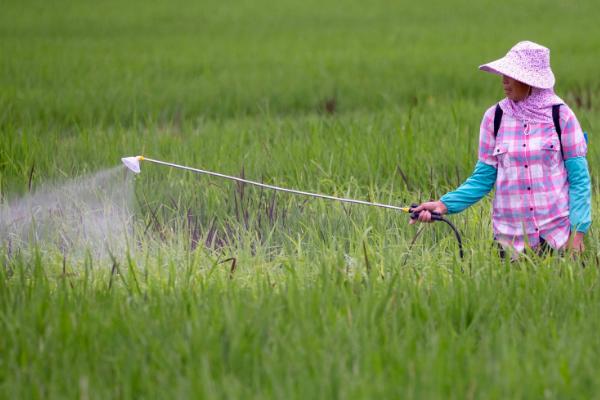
(556,118)
(497,120)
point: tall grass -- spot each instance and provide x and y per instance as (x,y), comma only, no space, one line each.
(299,329)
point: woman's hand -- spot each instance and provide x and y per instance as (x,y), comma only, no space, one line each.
(425,209)
(576,243)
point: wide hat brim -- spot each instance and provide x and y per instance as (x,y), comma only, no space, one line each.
(543,79)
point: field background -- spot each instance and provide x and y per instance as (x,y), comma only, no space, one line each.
(379,101)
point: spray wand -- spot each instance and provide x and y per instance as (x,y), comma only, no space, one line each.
(133,164)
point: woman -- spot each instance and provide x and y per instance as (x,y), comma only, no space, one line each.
(543,191)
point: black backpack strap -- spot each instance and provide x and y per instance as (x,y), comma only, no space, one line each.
(556,118)
(498,120)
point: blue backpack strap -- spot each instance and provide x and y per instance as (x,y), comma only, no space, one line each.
(556,119)
(497,120)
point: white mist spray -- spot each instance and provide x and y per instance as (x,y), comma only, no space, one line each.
(89,213)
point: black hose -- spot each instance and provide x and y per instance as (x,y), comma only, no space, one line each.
(457,235)
(435,216)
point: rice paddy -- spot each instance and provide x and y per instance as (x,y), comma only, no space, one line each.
(222,290)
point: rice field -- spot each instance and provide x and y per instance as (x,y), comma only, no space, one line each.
(223,290)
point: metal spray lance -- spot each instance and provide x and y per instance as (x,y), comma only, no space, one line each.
(133,163)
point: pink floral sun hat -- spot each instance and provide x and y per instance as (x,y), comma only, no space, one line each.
(526,62)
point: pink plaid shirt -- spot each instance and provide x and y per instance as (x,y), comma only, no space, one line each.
(532,191)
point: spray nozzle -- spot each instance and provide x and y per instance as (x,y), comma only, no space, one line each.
(133,163)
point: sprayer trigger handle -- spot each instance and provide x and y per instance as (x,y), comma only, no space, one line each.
(435,216)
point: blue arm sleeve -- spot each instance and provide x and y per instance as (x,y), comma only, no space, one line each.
(472,190)
(580,194)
